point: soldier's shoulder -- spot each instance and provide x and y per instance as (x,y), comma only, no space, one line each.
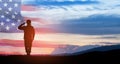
(32,26)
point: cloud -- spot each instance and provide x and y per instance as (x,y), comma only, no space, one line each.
(109,37)
(73,11)
(92,25)
(62,12)
(90,19)
(108,5)
(99,18)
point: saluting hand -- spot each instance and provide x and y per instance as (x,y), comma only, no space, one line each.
(22,23)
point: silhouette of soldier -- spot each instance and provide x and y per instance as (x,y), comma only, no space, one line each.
(29,34)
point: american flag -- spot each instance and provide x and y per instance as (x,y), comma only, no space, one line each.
(11,39)
(10,15)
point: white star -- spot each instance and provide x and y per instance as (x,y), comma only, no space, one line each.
(13,24)
(2,16)
(5,4)
(7,27)
(7,12)
(13,16)
(15,5)
(10,9)
(2,23)
(0,0)
(0,8)
(18,20)
(8,20)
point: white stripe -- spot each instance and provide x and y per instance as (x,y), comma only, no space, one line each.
(72,39)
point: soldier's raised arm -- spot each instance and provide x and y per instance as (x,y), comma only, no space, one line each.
(21,26)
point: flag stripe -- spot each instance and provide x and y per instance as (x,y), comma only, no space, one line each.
(28,8)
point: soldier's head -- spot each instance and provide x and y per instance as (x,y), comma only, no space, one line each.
(28,22)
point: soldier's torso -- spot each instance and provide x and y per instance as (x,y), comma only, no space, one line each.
(28,32)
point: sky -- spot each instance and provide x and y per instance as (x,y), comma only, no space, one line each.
(72,9)
(72,22)
(98,18)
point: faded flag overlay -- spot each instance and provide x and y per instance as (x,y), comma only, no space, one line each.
(61,26)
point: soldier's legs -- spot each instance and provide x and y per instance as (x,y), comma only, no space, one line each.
(28,45)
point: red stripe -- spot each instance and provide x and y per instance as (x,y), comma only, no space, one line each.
(32,8)
(28,8)
(20,43)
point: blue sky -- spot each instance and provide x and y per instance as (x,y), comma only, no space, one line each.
(73,9)
(96,16)
(59,2)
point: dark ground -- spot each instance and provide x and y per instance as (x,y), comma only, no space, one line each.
(108,57)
